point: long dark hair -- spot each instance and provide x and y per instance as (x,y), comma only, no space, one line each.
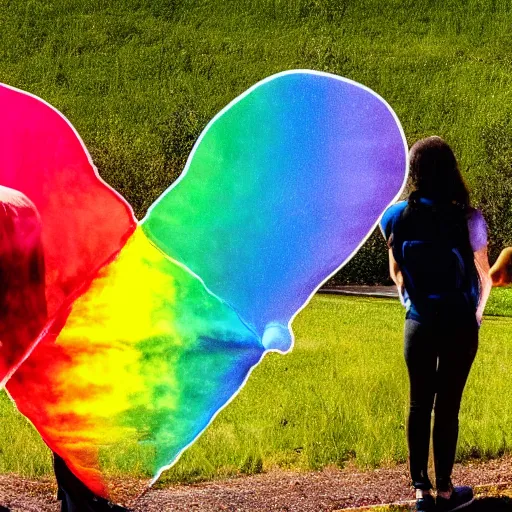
(435,174)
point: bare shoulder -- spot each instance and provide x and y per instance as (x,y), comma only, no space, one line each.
(15,198)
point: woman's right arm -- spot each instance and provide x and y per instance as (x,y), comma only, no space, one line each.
(482,267)
(478,238)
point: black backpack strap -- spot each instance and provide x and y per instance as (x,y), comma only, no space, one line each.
(400,228)
(399,235)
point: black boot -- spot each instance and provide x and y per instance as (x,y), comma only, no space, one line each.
(460,498)
(425,504)
(75,496)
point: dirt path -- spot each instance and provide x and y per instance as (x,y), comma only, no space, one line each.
(327,490)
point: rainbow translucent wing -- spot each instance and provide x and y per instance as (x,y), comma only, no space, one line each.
(84,222)
(146,358)
(280,190)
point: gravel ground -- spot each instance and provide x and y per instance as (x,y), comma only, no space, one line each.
(327,490)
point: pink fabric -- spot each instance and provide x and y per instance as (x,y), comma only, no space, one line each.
(84,221)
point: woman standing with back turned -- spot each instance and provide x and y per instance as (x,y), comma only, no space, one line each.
(438,260)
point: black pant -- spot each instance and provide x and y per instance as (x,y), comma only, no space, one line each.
(75,496)
(439,356)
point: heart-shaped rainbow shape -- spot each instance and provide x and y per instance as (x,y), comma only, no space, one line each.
(154,326)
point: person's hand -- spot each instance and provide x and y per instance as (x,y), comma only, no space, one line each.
(501,271)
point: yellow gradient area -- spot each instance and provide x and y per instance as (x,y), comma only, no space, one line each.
(104,372)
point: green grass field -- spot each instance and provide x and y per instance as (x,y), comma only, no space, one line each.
(140,78)
(340,397)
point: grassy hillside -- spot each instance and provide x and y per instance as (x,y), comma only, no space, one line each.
(140,78)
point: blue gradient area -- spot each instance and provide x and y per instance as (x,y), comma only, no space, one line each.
(281,189)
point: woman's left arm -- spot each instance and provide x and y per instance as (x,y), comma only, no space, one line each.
(394,271)
(396,275)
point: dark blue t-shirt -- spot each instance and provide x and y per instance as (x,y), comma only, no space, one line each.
(477,228)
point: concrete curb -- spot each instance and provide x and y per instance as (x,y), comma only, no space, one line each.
(387,292)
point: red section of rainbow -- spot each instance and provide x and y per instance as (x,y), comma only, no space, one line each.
(84,222)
